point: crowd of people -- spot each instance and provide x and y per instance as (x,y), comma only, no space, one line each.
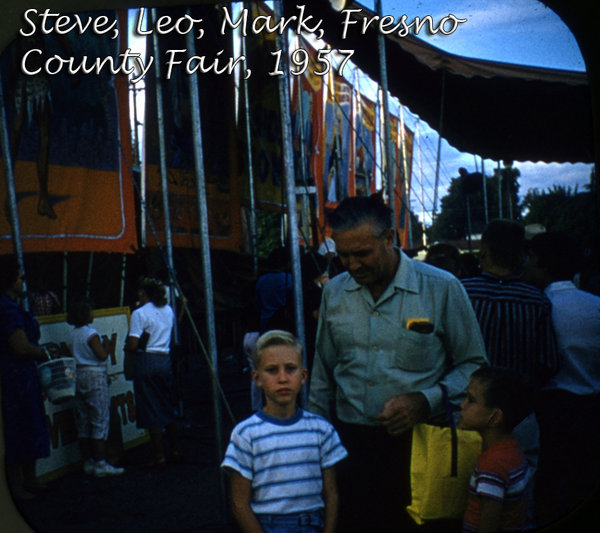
(506,334)
(147,346)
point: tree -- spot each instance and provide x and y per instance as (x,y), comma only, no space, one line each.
(452,222)
(563,208)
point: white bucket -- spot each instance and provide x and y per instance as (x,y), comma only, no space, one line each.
(57,378)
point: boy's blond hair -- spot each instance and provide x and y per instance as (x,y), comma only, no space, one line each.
(275,337)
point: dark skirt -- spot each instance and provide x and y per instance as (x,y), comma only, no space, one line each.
(153,388)
(25,426)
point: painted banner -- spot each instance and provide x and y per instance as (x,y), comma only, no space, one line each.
(69,144)
(402,140)
(307,90)
(307,131)
(265,118)
(366,147)
(338,149)
(406,145)
(217,118)
(64,449)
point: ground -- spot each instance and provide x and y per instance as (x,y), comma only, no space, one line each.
(183,497)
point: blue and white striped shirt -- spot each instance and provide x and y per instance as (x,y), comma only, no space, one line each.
(284,457)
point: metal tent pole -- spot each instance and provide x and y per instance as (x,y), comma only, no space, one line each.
(206,265)
(163,170)
(485,198)
(469,230)
(357,112)
(389,171)
(65,281)
(253,232)
(508,195)
(143,179)
(499,178)
(88,281)
(422,184)
(288,173)
(133,105)
(406,188)
(122,279)
(439,148)
(10,188)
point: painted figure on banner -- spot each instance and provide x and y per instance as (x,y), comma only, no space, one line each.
(365,147)
(335,159)
(302,133)
(336,182)
(64,144)
(32,102)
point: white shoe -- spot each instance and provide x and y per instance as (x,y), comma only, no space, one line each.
(103,469)
(88,467)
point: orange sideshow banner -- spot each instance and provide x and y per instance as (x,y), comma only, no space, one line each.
(403,146)
(406,143)
(307,92)
(307,126)
(69,138)
(217,118)
(366,142)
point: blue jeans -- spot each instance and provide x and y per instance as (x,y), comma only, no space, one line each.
(309,522)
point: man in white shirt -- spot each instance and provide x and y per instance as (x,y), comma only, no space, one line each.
(569,403)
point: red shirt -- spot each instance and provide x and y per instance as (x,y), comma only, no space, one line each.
(501,473)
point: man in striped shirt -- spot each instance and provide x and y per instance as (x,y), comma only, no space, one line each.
(515,319)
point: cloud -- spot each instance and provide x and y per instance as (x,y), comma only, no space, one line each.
(544,175)
(514,31)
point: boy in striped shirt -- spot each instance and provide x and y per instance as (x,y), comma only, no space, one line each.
(282,458)
(497,400)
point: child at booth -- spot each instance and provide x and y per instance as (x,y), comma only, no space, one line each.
(92,400)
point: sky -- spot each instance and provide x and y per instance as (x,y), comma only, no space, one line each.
(524,32)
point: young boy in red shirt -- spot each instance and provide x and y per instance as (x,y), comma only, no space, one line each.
(497,400)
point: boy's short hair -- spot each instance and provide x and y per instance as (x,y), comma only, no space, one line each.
(275,337)
(506,390)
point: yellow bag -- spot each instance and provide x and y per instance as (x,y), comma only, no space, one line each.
(442,461)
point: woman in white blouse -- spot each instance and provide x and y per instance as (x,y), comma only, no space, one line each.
(149,337)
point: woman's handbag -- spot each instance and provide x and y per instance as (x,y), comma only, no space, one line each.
(442,461)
